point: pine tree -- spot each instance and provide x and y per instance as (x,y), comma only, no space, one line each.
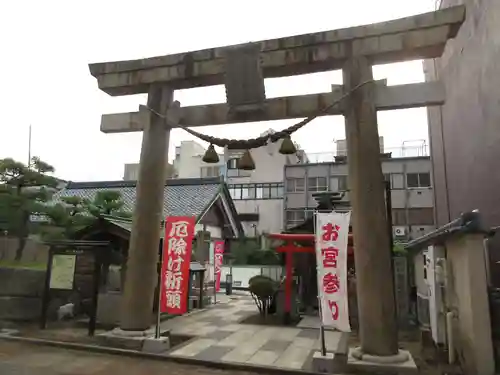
(24,190)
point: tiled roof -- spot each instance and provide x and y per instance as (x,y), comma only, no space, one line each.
(120,222)
(183,197)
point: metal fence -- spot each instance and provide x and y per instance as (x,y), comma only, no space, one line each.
(401,286)
(396,152)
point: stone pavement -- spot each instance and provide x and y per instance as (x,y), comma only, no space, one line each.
(27,359)
(219,337)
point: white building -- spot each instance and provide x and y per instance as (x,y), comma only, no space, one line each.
(188,162)
(257,194)
(131,171)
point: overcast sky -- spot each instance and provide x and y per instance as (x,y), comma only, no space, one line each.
(46,47)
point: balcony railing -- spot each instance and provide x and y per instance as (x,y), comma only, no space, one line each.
(396,152)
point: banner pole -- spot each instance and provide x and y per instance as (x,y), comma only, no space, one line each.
(320,302)
(321,329)
(158,307)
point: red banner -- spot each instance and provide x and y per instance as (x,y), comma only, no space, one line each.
(218,254)
(177,246)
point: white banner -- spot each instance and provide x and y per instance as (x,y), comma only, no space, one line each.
(332,235)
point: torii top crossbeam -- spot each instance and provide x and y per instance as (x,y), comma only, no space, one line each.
(412,38)
(420,36)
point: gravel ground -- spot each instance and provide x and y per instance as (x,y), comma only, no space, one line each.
(26,359)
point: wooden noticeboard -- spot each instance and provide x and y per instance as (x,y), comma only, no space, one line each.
(62,275)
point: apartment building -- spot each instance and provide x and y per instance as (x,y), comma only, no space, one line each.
(411,187)
(257,194)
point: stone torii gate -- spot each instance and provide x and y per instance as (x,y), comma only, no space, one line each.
(354,50)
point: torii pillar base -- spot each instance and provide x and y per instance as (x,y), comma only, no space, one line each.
(400,363)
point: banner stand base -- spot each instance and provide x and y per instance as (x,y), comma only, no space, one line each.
(323,364)
(119,338)
(287,319)
(155,346)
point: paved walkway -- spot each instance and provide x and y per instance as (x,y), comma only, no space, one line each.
(218,336)
(26,359)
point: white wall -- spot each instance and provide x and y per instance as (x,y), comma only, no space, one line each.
(188,161)
(131,171)
(241,274)
(270,214)
(215,232)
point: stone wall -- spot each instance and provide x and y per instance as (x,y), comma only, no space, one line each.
(21,291)
(21,294)
(34,252)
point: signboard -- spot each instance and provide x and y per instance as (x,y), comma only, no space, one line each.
(177,247)
(219,253)
(62,273)
(332,233)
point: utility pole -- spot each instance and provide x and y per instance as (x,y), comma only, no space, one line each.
(29,146)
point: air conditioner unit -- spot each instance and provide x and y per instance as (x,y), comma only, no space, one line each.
(399,231)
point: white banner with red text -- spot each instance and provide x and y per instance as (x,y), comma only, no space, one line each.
(332,236)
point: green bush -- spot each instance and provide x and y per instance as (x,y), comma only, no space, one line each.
(263,289)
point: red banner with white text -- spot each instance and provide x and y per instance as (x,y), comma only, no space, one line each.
(177,247)
(218,255)
(332,234)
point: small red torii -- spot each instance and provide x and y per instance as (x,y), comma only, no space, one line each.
(289,248)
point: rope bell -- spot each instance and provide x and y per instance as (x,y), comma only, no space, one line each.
(246,162)
(287,147)
(211,156)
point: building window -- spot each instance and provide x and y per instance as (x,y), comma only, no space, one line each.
(418,180)
(416,216)
(256,191)
(295,217)
(338,183)
(235,192)
(317,184)
(238,173)
(421,216)
(343,184)
(398,216)
(295,185)
(211,171)
(233,171)
(232,163)
(396,180)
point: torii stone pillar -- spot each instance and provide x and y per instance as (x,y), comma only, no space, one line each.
(141,275)
(375,284)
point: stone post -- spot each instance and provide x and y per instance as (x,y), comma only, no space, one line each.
(467,300)
(375,282)
(141,279)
